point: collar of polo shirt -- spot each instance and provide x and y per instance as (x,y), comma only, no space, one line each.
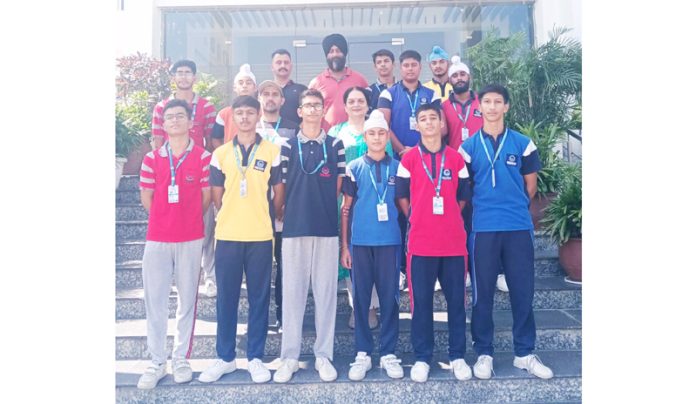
(163,149)
(304,139)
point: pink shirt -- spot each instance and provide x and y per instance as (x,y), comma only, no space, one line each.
(455,113)
(332,90)
(182,221)
(203,119)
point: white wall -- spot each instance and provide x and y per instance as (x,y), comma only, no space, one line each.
(134,27)
(565,13)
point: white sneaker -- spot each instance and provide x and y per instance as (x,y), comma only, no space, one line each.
(287,368)
(326,370)
(210,288)
(468,280)
(462,371)
(258,371)
(402,281)
(181,369)
(216,370)
(501,284)
(533,365)
(483,368)
(437,285)
(152,375)
(359,368)
(391,364)
(419,372)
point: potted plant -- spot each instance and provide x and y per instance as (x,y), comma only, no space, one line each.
(563,221)
(128,139)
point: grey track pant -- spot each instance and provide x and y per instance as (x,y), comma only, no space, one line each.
(208,262)
(161,262)
(305,260)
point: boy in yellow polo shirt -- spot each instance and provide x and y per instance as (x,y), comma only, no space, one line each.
(242,171)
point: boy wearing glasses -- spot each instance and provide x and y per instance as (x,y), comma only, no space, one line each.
(174,190)
(316,167)
(183,74)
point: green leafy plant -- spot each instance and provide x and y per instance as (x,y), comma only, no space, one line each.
(132,123)
(563,216)
(546,138)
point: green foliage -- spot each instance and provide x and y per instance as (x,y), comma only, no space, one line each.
(549,178)
(207,86)
(132,123)
(563,216)
(140,72)
(545,82)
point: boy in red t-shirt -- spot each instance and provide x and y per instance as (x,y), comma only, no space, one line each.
(174,190)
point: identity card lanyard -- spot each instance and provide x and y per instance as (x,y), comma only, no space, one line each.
(277,125)
(173,190)
(412,104)
(500,147)
(382,215)
(465,130)
(243,182)
(438,205)
(320,163)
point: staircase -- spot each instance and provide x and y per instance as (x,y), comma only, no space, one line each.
(558,312)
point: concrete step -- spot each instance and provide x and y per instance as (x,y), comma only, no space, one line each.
(129,183)
(550,293)
(130,197)
(508,385)
(129,255)
(557,330)
(131,212)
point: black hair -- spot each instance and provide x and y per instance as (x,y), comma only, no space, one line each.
(246,101)
(183,63)
(428,107)
(382,52)
(495,88)
(280,52)
(409,54)
(310,92)
(178,103)
(367,93)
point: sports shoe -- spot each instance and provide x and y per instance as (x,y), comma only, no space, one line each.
(351,320)
(501,284)
(391,364)
(468,280)
(152,375)
(362,364)
(326,370)
(533,365)
(181,370)
(462,371)
(402,281)
(483,368)
(419,372)
(210,288)
(287,368)
(372,319)
(216,370)
(258,371)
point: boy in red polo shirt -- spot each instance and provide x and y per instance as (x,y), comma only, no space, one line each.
(432,187)
(174,190)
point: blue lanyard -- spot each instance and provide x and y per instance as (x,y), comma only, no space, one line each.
(323,144)
(427,172)
(497,153)
(249,160)
(384,181)
(171,162)
(411,103)
(466,115)
(265,132)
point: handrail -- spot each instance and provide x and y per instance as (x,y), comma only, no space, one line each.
(573,134)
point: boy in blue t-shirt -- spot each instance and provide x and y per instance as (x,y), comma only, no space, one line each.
(503,164)
(374,248)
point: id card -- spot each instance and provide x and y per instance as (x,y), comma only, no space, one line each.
(243,188)
(465,134)
(412,122)
(438,206)
(173,194)
(382,214)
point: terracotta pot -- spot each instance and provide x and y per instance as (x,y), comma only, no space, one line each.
(570,258)
(537,206)
(135,159)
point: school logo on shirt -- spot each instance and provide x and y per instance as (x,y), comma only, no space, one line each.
(260,165)
(391,180)
(446,174)
(477,113)
(189,178)
(511,160)
(424,101)
(325,172)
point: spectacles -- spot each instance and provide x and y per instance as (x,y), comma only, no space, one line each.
(175,117)
(316,107)
(183,74)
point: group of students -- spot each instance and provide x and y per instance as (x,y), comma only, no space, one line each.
(403,200)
